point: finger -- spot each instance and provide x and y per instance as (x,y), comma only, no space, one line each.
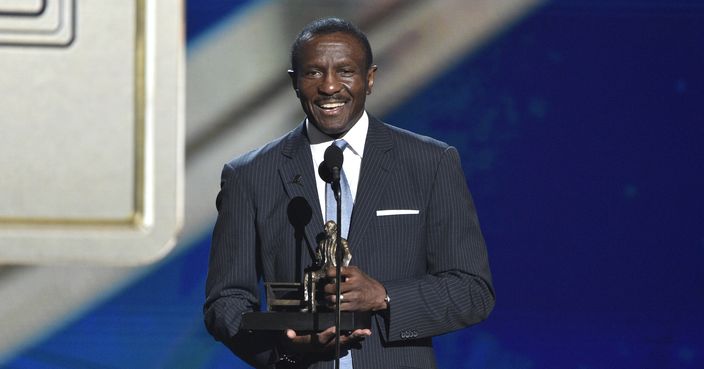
(331,289)
(347,297)
(350,271)
(332,299)
(295,338)
(326,336)
(360,334)
(344,271)
(345,340)
(329,332)
(363,332)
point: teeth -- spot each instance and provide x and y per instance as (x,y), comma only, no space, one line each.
(331,105)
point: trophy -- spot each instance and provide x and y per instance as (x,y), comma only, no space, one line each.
(301,306)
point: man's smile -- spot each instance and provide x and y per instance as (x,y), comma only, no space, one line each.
(331,107)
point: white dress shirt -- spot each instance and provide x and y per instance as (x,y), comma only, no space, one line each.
(355,137)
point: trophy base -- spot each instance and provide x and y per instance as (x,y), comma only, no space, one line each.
(304,322)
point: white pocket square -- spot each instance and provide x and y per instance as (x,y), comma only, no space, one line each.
(383,213)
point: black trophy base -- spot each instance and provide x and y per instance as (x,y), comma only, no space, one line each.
(304,322)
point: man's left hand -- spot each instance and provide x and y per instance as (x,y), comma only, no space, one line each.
(359,292)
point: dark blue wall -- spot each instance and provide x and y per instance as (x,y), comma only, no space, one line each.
(582,135)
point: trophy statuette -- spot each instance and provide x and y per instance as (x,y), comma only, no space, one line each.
(301,306)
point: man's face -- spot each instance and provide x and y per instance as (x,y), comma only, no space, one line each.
(332,81)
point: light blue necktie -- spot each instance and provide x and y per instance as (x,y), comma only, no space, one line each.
(345,195)
(331,214)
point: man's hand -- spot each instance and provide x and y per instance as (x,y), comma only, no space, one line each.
(323,341)
(359,292)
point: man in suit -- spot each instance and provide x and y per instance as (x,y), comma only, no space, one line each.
(419,262)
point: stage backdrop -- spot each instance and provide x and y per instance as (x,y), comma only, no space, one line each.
(581,130)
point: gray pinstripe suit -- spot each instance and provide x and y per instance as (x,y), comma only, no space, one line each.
(433,264)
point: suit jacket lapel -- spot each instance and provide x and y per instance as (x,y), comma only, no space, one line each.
(376,164)
(298,177)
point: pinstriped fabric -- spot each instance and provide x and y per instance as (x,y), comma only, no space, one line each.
(376,163)
(433,264)
(265,228)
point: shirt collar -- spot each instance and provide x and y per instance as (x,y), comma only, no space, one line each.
(355,137)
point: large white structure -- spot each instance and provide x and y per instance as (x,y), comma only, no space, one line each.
(92,130)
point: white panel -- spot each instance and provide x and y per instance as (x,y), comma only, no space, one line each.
(72,110)
(90,132)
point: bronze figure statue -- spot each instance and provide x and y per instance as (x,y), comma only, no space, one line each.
(325,258)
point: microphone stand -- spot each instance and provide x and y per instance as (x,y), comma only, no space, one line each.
(338,260)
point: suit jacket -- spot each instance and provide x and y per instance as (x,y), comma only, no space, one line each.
(433,264)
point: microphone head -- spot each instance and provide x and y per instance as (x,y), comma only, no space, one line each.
(333,159)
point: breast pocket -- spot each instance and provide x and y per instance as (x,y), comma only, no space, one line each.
(398,222)
(400,239)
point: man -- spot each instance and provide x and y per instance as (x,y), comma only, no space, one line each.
(419,262)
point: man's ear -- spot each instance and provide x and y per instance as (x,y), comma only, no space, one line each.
(294,82)
(371,73)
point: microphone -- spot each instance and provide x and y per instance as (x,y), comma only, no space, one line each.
(329,169)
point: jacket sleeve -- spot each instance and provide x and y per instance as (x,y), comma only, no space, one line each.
(457,290)
(233,273)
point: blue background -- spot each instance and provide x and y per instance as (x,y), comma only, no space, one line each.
(581,130)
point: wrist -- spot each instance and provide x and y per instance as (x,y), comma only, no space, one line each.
(385,300)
